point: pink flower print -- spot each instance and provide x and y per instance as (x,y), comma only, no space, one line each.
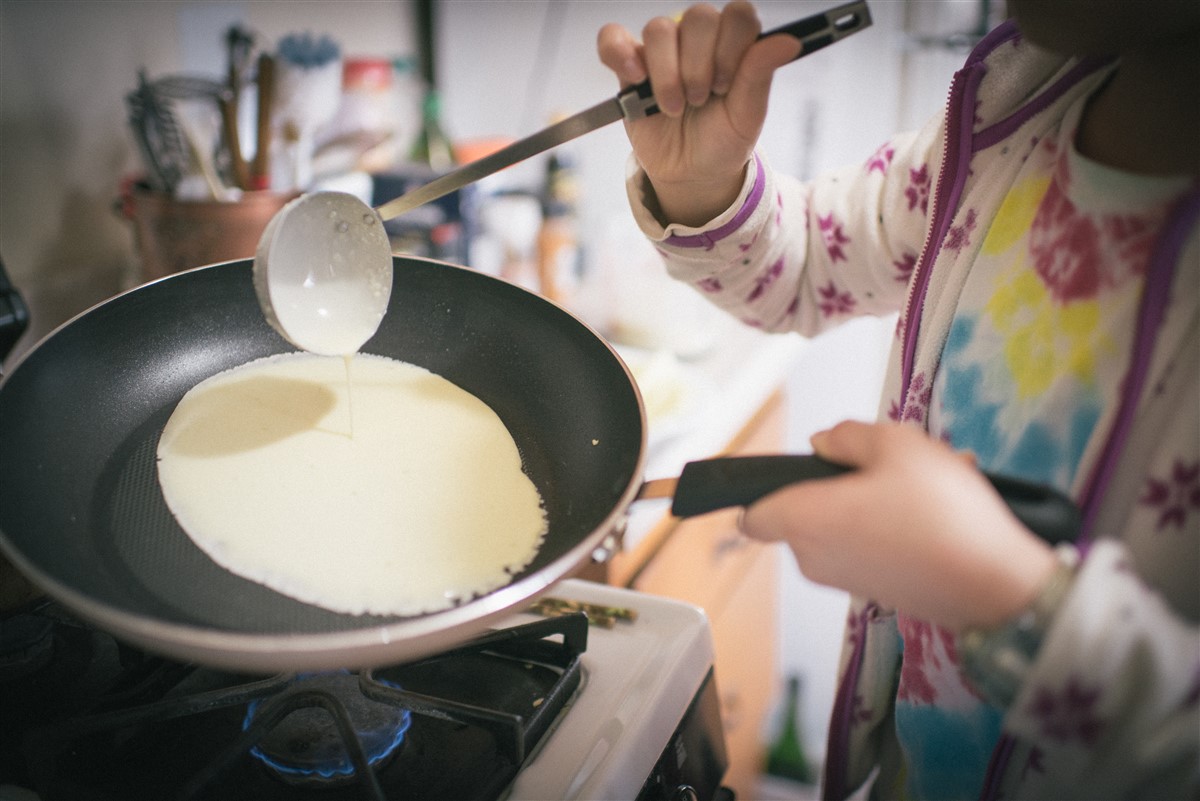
(710,285)
(855,631)
(916,404)
(834,237)
(745,246)
(1076,254)
(857,621)
(959,236)
(881,158)
(1068,713)
(859,712)
(1133,238)
(1176,496)
(1064,245)
(927,650)
(918,189)
(833,301)
(904,267)
(764,281)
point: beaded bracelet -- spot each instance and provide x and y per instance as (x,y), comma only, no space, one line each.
(996,660)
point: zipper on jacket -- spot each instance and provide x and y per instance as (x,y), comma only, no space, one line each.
(952,177)
(960,118)
(956,155)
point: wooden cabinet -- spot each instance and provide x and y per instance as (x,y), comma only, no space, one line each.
(707,562)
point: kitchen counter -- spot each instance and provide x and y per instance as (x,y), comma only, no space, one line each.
(713,398)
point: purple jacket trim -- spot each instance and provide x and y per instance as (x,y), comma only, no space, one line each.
(1006,127)
(951,181)
(995,769)
(1004,32)
(1155,297)
(956,156)
(709,239)
(838,745)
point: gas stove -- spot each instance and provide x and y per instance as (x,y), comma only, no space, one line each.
(596,693)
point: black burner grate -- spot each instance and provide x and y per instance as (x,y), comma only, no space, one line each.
(159,730)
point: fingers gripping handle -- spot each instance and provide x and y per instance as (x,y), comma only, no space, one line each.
(712,484)
(815,32)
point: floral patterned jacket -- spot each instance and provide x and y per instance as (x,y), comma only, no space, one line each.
(1110,706)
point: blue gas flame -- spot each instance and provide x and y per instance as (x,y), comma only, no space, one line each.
(375,751)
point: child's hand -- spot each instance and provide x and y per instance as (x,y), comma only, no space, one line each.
(916,528)
(711,80)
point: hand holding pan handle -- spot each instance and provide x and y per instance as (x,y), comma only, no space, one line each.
(712,484)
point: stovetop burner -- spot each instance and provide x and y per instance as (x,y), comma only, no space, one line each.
(629,712)
(307,727)
(88,719)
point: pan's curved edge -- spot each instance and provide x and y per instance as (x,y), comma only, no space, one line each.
(406,639)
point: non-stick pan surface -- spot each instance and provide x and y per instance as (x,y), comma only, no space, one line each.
(82,514)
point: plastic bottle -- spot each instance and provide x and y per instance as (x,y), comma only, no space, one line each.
(367,100)
(786,757)
(432,147)
(368,110)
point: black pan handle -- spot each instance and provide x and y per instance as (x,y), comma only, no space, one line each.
(712,484)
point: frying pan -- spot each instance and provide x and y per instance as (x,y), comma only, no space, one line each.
(82,515)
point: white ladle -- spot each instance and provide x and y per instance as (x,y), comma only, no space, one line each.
(323,272)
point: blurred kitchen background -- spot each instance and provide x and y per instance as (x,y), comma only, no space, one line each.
(87,89)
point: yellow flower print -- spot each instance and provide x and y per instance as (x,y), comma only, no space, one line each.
(1045,339)
(1015,217)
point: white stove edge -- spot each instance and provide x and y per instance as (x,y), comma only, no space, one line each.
(639,680)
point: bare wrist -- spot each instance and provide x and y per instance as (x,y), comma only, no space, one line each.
(693,203)
(1028,573)
(996,659)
